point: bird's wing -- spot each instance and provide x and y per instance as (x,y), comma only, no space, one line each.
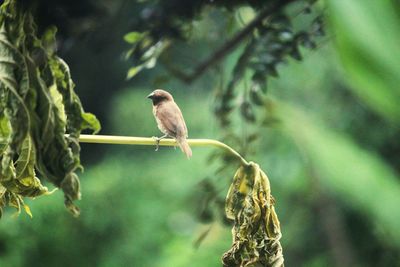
(184,129)
(170,116)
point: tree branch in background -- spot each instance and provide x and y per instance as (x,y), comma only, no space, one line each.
(227,47)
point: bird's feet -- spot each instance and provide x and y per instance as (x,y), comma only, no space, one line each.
(157,139)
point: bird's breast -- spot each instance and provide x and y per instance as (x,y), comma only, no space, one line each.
(160,124)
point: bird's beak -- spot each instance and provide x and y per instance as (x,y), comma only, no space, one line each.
(150,95)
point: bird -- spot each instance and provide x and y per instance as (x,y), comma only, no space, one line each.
(169,120)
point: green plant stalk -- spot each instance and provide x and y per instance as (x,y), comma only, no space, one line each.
(150,141)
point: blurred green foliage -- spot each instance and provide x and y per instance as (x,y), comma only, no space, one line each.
(368,51)
(329,140)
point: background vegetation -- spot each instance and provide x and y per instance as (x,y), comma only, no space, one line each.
(327,135)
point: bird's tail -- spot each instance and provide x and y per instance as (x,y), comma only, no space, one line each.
(183,144)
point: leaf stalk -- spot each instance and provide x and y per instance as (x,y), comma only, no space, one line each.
(149,141)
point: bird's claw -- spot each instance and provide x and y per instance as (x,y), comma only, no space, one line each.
(157,140)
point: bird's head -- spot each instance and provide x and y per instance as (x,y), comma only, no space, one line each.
(158,96)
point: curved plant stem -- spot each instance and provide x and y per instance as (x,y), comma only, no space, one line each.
(149,141)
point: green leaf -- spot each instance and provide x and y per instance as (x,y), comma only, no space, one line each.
(25,183)
(90,122)
(133,71)
(133,37)
(26,160)
(49,40)
(28,210)
(4,133)
(58,102)
(151,63)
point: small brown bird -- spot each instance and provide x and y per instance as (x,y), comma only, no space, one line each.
(170,119)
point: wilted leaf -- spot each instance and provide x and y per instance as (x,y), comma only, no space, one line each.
(28,210)
(38,108)
(90,122)
(256,231)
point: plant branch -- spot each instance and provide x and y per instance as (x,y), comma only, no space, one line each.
(227,47)
(149,141)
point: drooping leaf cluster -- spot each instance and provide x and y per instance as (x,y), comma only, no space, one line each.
(256,231)
(38,107)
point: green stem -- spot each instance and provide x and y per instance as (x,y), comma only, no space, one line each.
(148,141)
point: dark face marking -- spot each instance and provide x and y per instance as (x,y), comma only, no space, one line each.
(157,99)
(158,96)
